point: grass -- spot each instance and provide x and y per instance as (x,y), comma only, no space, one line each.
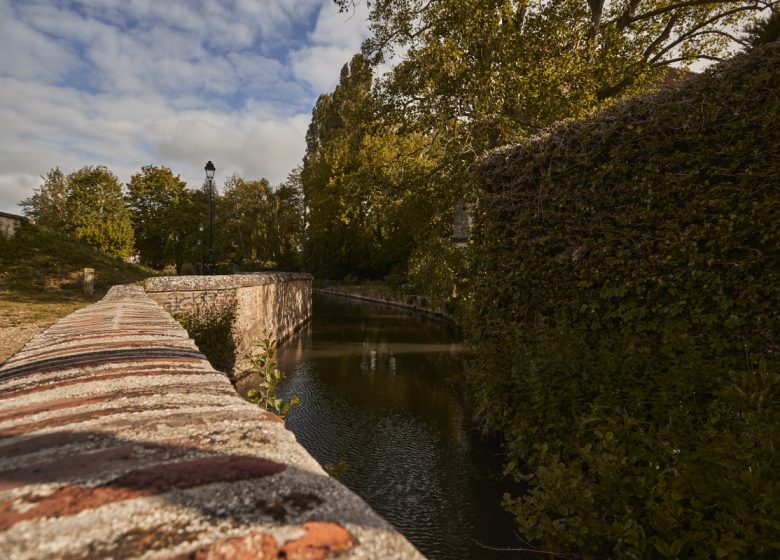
(40,273)
(38,260)
(20,308)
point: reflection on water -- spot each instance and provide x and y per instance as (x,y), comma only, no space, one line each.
(377,389)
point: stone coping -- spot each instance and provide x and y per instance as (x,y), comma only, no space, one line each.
(220,282)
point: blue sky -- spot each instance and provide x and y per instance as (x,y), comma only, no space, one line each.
(127,83)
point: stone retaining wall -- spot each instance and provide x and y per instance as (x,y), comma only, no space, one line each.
(268,304)
(118,439)
(360,294)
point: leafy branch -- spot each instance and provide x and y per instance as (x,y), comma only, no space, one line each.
(263,365)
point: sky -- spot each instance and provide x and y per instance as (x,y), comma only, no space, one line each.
(128,83)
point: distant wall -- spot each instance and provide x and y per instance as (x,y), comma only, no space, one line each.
(9,223)
(268,304)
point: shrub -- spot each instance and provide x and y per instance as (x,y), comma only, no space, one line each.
(263,365)
(210,325)
(625,288)
(437,269)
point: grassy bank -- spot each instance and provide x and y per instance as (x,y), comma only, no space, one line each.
(40,273)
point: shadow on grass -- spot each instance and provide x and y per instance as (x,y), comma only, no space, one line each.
(49,297)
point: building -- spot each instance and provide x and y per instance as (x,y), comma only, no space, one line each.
(9,223)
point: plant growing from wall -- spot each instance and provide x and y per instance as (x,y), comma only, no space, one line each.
(263,366)
(336,470)
(211,327)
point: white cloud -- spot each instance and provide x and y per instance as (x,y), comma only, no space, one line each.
(337,37)
(335,28)
(320,66)
(28,54)
(125,133)
(127,83)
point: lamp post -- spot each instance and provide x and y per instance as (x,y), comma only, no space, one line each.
(210,169)
(200,247)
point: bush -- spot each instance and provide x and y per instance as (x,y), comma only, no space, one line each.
(263,367)
(626,282)
(437,269)
(211,327)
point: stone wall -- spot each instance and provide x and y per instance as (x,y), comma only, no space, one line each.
(119,440)
(268,304)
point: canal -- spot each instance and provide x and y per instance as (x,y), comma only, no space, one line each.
(379,389)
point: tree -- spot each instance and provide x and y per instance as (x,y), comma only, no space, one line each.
(245,211)
(634,33)
(482,73)
(158,202)
(87,204)
(97,213)
(764,31)
(371,185)
(286,224)
(336,243)
(47,205)
(261,227)
(476,74)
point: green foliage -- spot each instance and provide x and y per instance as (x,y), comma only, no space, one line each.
(764,31)
(438,268)
(210,325)
(47,207)
(87,204)
(387,159)
(368,187)
(263,365)
(259,227)
(337,238)
(38,259)
(625,280)
(160,207)
(336,470)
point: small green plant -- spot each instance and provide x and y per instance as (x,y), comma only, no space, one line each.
(211,327)
(263,364)
(336,470)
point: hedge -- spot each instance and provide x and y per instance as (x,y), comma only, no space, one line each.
(626,311)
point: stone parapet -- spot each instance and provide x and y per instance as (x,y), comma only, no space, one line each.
(268,305)
(118,439)
(220,282)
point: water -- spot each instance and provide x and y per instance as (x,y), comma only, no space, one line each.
(378,389)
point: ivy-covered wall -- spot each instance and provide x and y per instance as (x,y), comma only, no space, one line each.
(626,311)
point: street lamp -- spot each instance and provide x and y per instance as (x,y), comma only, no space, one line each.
(200,247)
(210,169)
